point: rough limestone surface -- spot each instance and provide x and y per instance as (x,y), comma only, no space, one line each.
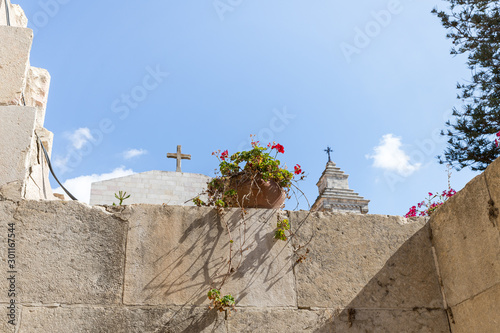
(36,92)
(37,184)
(327,321)
(68,253)
(99,319)
(274,320)
(467,243)
(17,17)
(492,174)
(7,211)
(176,254)
(370,261)
(478,314)
(14,63)
(16,134)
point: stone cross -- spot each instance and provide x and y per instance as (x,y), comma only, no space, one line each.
(328,151)
(179,157)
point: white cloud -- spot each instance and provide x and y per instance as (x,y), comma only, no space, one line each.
(389,156)
(61,163)
(80,137)
(80,186)
(133,153)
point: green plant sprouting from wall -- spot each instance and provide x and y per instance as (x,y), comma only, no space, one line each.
(219,303)
(121,196)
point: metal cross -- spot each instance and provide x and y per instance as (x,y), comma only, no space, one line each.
(179,157)
(328,151)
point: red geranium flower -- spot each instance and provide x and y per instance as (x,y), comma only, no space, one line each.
(279,148)
(298,170)
(224,155)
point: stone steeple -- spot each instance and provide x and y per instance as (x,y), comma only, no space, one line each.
(335,195)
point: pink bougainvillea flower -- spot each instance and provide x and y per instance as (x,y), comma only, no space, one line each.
(279,148)
(298,170)
(224,155)
(412,212)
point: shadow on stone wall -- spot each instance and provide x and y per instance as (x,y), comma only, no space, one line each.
(176,255)
(403,296)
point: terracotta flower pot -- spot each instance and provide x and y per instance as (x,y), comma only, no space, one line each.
(260,194)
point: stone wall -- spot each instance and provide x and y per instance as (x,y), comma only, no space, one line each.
(23,101)
(147,268)
(152,187)
(466,236)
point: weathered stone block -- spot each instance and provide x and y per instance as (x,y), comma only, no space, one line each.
(272,320)
(5,327)
(368,261)
(121,320)
(176,254)
(37,184)
(492,174)
(69,253)
(467,243)
(478,314)
(37,92)
(14,63)
(388,321)
(326,321)
(7,210)
(16,135)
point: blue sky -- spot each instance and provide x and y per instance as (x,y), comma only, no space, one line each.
(132,80)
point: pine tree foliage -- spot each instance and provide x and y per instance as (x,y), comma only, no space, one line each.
(474,28)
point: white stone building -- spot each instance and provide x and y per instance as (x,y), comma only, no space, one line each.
(152,187)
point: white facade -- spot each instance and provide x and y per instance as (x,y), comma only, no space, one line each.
(152,187)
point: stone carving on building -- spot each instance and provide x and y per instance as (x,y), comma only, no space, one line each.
(334,192)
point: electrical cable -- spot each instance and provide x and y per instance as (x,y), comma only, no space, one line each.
(52,171)
(7,12)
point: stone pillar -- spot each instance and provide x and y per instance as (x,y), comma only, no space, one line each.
(23,101)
